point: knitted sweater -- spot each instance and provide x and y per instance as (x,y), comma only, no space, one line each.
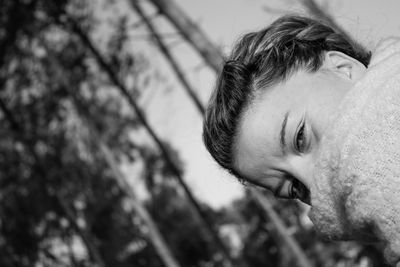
(355,192)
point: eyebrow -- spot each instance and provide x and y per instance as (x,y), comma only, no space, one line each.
(283,132)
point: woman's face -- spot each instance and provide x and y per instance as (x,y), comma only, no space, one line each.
(279,134)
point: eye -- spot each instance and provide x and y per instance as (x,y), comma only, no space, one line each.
(300,138)
(299,190)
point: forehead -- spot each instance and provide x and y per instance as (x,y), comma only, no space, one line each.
(257,147)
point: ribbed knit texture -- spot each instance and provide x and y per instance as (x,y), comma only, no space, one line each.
(356,184)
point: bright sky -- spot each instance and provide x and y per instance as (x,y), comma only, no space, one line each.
(174,116)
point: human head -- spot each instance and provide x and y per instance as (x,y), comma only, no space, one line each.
(265,66)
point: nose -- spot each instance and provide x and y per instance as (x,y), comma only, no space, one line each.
(301,168)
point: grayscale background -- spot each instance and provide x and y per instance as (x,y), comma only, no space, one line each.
(101,156)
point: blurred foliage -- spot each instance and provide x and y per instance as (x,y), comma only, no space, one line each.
(60,204)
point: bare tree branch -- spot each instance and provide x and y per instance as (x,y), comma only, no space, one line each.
(301,258)
(170,58)
(191,32)
(152,232)
(143,120)
(273,10)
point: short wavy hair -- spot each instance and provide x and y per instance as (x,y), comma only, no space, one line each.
(259,60)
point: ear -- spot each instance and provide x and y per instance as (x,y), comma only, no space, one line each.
(344,65)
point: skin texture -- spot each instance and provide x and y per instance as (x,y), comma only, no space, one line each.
(308,100)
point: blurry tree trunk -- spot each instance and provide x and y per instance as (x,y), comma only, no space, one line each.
(175,15)
(106,67)
(83,234)
(301,258)
(183,80)
(152,233)
(191,32)
(170,58)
